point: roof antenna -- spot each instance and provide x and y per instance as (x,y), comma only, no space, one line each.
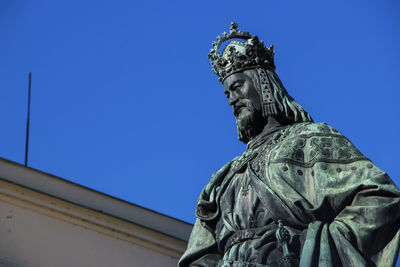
(27,122)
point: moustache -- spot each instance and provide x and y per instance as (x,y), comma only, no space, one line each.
(242,104)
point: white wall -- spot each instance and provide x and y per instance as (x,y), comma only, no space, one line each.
(40,230)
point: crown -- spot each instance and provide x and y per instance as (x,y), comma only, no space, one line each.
(239,55)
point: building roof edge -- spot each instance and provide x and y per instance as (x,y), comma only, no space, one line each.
(89,198)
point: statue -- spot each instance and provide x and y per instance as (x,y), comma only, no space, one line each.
(301,195)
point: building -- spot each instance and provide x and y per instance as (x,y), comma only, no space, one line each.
(49,221)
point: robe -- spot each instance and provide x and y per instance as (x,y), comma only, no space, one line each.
(337,206)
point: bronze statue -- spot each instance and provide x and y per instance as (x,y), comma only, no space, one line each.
(301,195)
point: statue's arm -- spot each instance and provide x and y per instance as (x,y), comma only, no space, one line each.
(201,250)
(364,231)
(355,207)
(350,207)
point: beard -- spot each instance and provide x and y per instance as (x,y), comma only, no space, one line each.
(249,121)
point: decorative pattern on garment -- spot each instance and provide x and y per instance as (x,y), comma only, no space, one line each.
(308,146)
(266,145)
(239,164)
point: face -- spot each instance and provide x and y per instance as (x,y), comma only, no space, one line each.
(239,88)
(246,103)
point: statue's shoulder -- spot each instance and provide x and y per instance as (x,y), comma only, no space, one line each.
(225,168)
(217,177)
(312,129)
(307,143)
(295,133)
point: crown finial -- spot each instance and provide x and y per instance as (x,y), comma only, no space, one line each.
(233,26)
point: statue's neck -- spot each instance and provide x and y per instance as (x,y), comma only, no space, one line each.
(271,126)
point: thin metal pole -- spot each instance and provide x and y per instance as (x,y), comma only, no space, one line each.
(27,122)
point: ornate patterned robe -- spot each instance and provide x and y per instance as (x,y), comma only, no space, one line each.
(339,208)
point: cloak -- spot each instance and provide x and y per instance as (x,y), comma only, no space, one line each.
(315,181)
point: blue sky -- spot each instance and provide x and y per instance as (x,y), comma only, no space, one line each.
(124,100)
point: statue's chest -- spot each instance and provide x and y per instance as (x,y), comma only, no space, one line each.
(257,157)
(239,202)
(256,160)
(240,205)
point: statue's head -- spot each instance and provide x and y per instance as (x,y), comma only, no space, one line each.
(247,71)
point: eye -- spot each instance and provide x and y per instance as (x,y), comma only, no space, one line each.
(237,86)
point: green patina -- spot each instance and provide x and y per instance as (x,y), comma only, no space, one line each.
(301,195)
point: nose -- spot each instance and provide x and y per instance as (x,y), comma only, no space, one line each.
(233,98)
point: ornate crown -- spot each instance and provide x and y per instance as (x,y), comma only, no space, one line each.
(239,55)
